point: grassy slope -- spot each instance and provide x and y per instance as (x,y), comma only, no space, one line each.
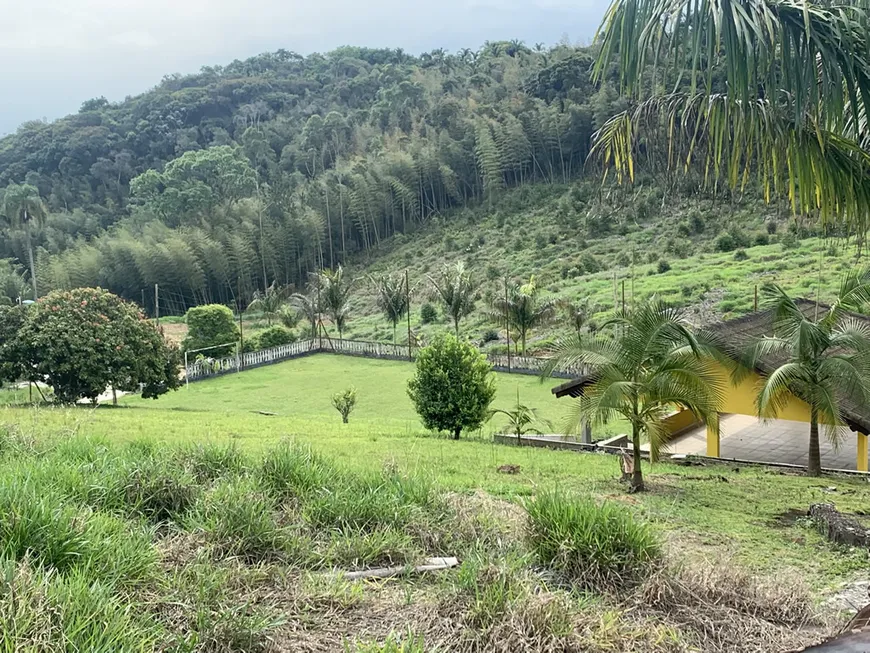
(540,231)
(700,513)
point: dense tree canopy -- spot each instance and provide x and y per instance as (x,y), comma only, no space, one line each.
(218,183)
(83,341)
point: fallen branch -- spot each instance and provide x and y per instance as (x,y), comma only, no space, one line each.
(431,564)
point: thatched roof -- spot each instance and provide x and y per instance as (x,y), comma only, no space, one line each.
(741,331)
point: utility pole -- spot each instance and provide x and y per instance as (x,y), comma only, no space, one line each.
(143,302)
(408,311)
(507,322)
(157,304)
(319,319)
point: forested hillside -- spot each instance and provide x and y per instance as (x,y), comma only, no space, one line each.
(218,183)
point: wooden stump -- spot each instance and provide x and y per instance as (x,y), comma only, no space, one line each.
(837,527)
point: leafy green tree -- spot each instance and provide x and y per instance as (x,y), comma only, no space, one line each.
(24,209)
(392,298)
(773,91)
(270,302)
(825,361)
(455,287)
(13,365)
(344,402)
(211,325)
(309,306)
(335,293)
(83,341)
(524,310)
(452,386)
(653,363)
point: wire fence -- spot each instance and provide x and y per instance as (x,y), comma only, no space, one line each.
(205,367)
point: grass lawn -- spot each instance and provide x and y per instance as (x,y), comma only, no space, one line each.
(706,512)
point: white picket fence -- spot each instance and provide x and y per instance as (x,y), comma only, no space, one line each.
(207,367)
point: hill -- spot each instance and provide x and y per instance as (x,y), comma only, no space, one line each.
(217,184)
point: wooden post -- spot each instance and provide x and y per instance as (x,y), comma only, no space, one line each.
(408,311)
(861,464)
(713,439)
(156,305)
(623,295)
(241,348)
(755,305)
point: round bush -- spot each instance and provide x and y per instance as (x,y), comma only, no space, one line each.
(275,336)
(452,386)
(209,326)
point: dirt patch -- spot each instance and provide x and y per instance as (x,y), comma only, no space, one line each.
(787,518)
(174,332)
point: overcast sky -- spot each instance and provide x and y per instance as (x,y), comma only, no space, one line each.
(57,53)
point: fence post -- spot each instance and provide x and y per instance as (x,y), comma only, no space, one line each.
(408,311)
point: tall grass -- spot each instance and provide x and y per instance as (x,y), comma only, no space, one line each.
(602,546)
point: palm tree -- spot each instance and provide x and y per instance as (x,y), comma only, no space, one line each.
(23,208)
(524,310)
(521,420)
(309,306)
(392,298)
(654,364)
(336,290)
(456,289)
(270,302)
(770,90)
(825,362)
(578,313)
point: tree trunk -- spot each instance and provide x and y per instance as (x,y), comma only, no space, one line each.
(30,259)
(456,433)
(814,458)
(637,476)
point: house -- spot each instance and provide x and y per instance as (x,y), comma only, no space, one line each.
(740,399)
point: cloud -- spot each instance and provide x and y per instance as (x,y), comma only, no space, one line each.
(66,51)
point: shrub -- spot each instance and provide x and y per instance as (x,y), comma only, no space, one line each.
(770,225)
(210,461)
(239,519)
(344,403)
(594,545)
(663,266)
(452,386)
(491,335)
(290,470)
(209,326)
(790,240)
(158,489)
(740,255)
(275,336)
(84,340)
(590,263)
(428,314)
(761,238)
(696,220)
(725,242)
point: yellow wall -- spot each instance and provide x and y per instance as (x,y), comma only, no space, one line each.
(740,399)
(679,421)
